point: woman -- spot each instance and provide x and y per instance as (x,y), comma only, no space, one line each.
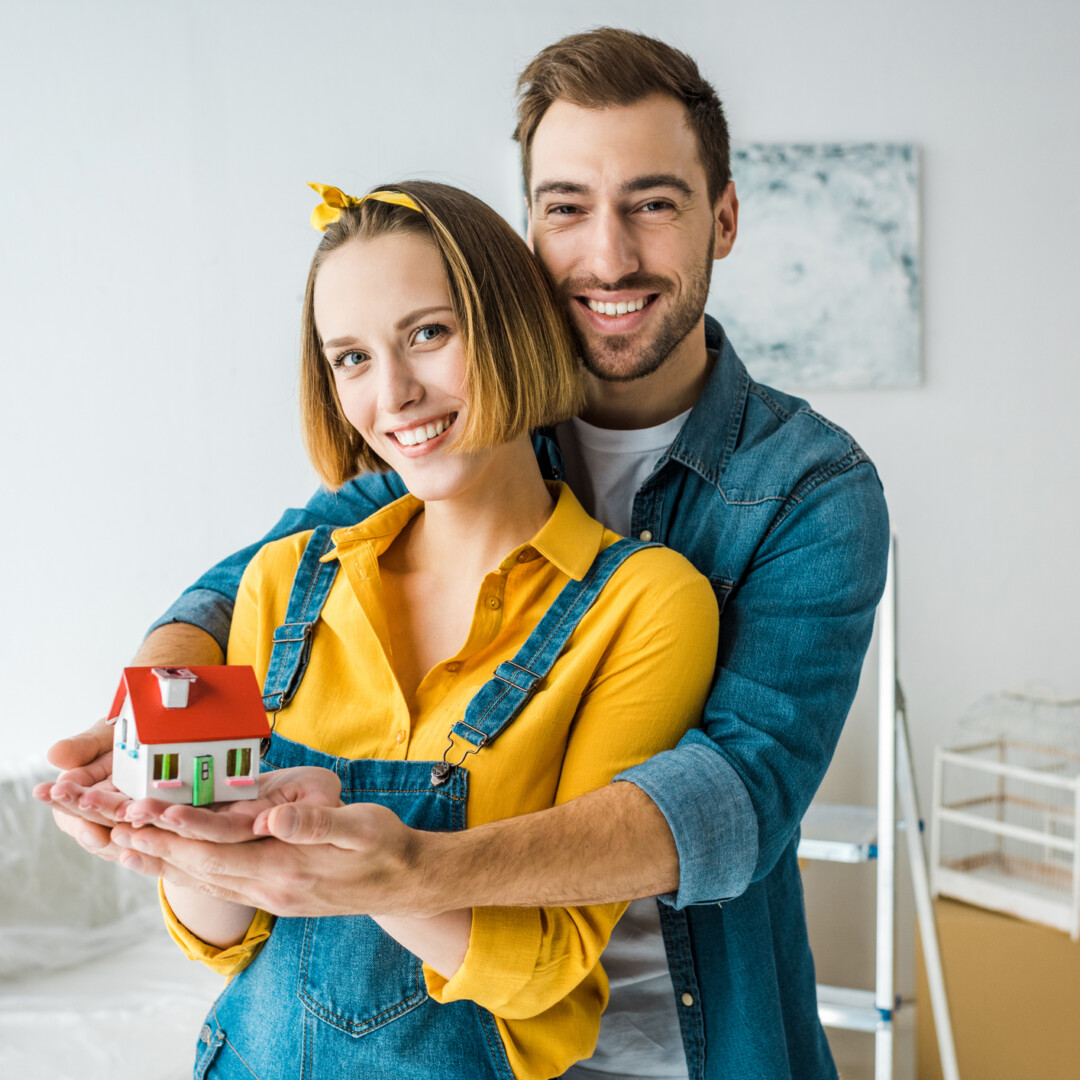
(432,344)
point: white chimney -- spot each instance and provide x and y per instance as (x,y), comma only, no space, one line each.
(174,683)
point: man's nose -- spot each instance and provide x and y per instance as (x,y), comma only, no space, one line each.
(613,251)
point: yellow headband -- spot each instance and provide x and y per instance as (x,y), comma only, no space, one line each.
(334,200)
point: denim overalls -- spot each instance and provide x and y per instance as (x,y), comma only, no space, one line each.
(336,998)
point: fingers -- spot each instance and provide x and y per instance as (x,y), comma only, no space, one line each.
(235,868)
(320,787)
(151,866)
(93,772)
(229,825)
(83,748)
(358,827)
(100,803)
(91,837)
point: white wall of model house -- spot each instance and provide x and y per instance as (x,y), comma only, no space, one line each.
(156,239)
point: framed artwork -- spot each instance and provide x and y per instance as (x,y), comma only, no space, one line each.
(822,288)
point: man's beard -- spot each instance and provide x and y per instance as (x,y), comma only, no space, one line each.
(621,358)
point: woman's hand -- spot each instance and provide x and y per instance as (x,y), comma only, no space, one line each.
(234,822)
(84,800)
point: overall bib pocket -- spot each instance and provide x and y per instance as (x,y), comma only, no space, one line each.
(385,980)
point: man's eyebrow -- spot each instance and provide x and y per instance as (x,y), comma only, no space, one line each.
(559,187)
(637,184)
(657,180)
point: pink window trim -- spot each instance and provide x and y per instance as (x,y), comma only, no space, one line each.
(168,783)
(240,781)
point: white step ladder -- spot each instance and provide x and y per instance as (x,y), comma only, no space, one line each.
(854,834)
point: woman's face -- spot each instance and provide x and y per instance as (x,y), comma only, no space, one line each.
(383,312)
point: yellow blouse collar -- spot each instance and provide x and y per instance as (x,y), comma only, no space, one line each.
(569,539)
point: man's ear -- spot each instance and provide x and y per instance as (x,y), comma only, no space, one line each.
(529,225)
(726,219)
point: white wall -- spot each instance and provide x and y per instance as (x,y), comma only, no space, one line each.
(155,239)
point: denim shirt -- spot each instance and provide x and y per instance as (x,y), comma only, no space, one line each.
(785,515)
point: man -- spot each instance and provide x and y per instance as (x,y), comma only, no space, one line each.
(625,158)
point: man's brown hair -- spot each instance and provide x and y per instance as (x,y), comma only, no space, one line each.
(606,67)
(522,370)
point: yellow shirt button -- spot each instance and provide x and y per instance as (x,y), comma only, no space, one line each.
(687,999)
(399,737)
(646,535)
(494,603)
(454,665)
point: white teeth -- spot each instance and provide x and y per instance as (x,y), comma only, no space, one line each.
(421,434)
(623,307)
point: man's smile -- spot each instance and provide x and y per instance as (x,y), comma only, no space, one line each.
(615,313)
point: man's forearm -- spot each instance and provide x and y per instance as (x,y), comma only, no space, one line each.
(612,844)
(177,644)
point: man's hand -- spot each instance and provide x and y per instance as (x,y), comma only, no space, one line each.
(311,860)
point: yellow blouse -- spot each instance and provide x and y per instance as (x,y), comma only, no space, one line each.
(631,682)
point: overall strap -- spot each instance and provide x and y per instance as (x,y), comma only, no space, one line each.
(292,639)
(501,698)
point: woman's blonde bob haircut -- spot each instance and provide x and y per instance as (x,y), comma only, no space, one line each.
(522,370)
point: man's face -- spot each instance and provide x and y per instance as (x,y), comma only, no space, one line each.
(620,215)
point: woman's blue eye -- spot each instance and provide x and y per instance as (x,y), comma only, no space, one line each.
(350,359)
(430,333)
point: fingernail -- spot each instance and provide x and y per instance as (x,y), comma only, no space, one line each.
(92,841)
(121,839)
(140,843)
(285,822)
(132,861)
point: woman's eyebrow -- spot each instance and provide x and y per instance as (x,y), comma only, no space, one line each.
(421,313)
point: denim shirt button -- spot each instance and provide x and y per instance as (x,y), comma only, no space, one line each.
(205,1034)
(687,1000)
(646,535)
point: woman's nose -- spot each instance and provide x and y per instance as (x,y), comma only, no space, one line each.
(398,387)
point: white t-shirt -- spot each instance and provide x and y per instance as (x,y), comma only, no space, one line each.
(639,1031)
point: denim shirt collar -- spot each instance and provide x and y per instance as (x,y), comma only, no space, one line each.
(710,434)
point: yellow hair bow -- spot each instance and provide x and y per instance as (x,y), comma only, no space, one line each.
(334,200)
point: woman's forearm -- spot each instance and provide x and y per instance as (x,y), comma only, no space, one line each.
(441,941)
(217,922)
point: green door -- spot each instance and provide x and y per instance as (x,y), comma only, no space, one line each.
(204,781)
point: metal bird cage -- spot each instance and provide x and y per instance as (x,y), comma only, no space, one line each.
(1006,813)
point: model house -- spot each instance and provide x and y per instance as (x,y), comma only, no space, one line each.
(188,735)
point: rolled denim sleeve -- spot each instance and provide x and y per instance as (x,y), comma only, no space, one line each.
(208,603)
(792,641)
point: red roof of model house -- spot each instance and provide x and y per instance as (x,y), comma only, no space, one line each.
(223,702)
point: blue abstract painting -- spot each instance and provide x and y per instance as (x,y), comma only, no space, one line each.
(822,288)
